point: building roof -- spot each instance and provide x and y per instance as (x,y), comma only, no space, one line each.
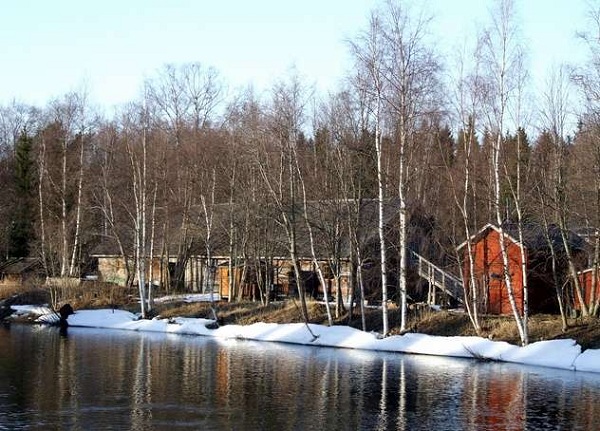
(535,237)
(322,215)
(20,265)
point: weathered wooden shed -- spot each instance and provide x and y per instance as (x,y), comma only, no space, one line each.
(541,281)
(246,277)
(277,279)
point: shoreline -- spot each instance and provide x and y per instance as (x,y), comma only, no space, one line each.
(564,354)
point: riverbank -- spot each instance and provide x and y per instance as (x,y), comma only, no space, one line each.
(563,354)
(443,333)
(586,332)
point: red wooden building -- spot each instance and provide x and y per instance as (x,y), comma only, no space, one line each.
(588,280)
(488,270)
(488,266)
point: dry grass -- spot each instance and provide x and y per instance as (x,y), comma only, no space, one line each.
(243,313)
(98,295)
(8,290)
(24,295)
(85,295)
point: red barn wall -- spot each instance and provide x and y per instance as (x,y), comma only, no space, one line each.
(588,284)
(489,273)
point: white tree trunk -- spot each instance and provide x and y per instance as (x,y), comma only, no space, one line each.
(64,259)
(41,175)
(311,238)
(76,239)
(502,240)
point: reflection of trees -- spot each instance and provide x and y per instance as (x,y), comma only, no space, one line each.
(144,381)
(141,387)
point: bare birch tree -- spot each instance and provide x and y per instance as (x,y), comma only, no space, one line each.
(184,98)
(500,51)
(368,52)
(208,209)
(554,115)
(345,115)
(466,100)
(587,78)
(138,200)
(64,146)
(112,196)
(411,74)
(286,118)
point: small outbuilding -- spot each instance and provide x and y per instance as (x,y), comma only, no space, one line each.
(538,244)
(20,271)
(588,281)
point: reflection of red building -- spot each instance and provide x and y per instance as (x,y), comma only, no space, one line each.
(489,268)
(501,402)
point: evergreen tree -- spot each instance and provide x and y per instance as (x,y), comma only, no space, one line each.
(21,227)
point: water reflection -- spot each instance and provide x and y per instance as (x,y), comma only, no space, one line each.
(94,379)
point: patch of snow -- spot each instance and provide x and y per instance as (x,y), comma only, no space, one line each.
(37,310)
(589,360)
(196,297)
(564,354)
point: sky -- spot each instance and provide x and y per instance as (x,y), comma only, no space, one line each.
(108,48)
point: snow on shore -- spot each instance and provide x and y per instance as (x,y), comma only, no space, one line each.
(563,354)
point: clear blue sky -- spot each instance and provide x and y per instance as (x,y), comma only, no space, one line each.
(50,47)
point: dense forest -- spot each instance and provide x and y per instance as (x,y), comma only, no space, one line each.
(454,142)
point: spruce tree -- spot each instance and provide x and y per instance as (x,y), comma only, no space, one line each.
(21,228)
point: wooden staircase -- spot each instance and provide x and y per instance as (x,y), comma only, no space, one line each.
(437,278)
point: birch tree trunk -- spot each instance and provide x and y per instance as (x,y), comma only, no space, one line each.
(554,112)
(498,46)
(462,203)
(402,232)
(72,265)
(208,219)
(311,238)
(516,189)
(64,252)
(41,179)
(369,56)
(151,250)
(138,159)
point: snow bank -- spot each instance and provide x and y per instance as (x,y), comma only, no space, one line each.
(563,354)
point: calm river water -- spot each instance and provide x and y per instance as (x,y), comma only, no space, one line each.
(103,379)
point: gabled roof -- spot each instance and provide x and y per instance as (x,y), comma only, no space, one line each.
(535,237)
(483,232)
(322,218)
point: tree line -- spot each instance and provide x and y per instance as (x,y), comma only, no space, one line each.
(454,140)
